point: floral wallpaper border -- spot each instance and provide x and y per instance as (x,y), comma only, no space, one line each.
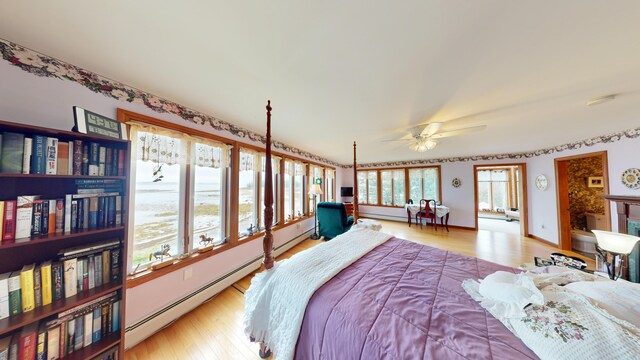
(46,66)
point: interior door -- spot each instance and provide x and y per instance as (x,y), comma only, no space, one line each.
(564,216)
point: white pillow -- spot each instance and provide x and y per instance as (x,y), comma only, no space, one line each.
(619,298)
(511,292)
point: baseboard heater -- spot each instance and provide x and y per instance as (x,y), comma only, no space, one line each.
(148,326)
(384,217)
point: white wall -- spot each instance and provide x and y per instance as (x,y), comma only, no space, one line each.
(47,102)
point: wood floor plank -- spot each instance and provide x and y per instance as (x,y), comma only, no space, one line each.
(215,331)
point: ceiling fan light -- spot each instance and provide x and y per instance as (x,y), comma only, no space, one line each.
(430,144)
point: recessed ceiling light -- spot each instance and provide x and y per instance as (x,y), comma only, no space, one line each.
(601,99)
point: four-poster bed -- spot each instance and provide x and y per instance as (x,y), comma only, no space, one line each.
(368,295)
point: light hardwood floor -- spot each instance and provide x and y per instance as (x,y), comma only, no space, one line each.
(214,329)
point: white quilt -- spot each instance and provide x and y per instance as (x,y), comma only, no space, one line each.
(276,301)
(567,325)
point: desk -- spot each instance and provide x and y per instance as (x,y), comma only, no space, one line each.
(442,212)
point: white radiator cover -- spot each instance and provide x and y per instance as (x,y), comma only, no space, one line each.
(138,332)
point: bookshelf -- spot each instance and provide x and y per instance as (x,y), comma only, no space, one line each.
(52,245)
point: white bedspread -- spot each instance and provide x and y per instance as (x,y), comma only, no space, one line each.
(276,301)
(567,325)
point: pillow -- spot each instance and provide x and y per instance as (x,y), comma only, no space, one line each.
(619,298)
(511,292)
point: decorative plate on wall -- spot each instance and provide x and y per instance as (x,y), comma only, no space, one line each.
(631,178)
(456,182)
(541,182)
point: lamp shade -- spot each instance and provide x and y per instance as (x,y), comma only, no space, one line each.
(315,190)
(615,242)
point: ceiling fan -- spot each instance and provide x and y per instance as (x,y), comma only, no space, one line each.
(424,137)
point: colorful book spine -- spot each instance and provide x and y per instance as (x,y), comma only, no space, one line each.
(4,295)
(60,210)
(45,275)
(111,211)
(53,342)
(52,156)
(27,288)
(114,163)
(24,214)
(85,213)
(67,213)
(41,342)
(57,281)
(116,316)
(78,341)
(1,219)
(53,222)
(77,157)
(63,158)
(85,159)
(97,329)
(115,264)
(79,274)
(37,286)
(36,219)
(102,160)
(11,155)
(26,155)
(15,295)
(74,215)
(92,272)
(9,223)
(44,228)
(70,277)
(121,162)
(106,266)
(93,213)
(98,273)
(70,338)
(94,159)
(28,342)
(88,328)
(108,170)
(38,155)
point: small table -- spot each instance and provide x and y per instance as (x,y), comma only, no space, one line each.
(442,212)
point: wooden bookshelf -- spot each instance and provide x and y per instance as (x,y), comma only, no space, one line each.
(36,249)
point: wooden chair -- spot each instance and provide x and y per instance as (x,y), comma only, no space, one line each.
(427,210)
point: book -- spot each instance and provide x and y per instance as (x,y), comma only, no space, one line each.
(85,273)
(115,264)
(27,288)
(52,156)
(44,227)
(116,316)
(57,281)
(53,342)
(101,212)
(24,214)
(63,338)
(53,222)
(85,213)
(1,219)
(74,215)
(102,160)
(41,342)
(63,158)
(71,335)
(28,342)
(4,295)
(70,169)
(60,209)
(36,218)
(77,157)
(98,266)
(84,250)
(93,213)
(92,272)
(67,213)
(15,295)
(121,162)
(85,159)
(88,328)
(37,285)
(70,277)
(118,211)
(9,222)
(38,155)
(78,341)
(108,170)
(12,153)
(80,274)
(97,329)
(13,346)
(106,266)
(45,276)
(4,347)
(114,163)
(94,159)
(88,305)
(26,155)
(105,319)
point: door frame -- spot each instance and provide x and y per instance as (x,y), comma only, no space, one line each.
(562,195)
(524,207)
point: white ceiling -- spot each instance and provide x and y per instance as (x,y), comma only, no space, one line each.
(361,70)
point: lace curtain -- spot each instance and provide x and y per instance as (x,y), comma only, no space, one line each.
(295,168)
(330,174)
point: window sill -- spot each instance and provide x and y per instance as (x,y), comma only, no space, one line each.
(148,275)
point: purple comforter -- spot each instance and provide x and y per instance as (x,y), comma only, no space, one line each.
(404,300)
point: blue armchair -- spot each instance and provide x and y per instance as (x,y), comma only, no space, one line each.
(333,219)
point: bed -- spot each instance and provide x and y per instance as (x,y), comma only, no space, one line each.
(368,295)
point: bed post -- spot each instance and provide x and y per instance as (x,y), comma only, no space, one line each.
(355,187)
(267,242)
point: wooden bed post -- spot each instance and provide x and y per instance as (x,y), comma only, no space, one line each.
(267,242)
(355,187)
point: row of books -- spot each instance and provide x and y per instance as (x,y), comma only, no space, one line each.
(77,269)
(47,155)
(30,216)
(71,331)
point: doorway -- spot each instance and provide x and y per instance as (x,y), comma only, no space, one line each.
(581,181)
(501,198)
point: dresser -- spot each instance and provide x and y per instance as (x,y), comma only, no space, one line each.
(628,211)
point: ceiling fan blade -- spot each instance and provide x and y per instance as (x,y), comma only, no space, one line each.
(431,129)
(458,132)
(394,140)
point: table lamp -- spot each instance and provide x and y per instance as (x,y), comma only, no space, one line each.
(618,245)
(315,191)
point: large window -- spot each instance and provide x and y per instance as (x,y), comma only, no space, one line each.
(330,186)
(497,189)
(368,187)
(163,162)
(424,183)
(316,174)
(392,187)
(294,190)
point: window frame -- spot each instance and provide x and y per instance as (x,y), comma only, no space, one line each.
(407,183)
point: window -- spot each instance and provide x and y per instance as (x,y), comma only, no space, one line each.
(294,190)
(315,173)
(275,182)
(497,189)
(162,161)
(392,187)
(330,186)
(368,187)
(424,184)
